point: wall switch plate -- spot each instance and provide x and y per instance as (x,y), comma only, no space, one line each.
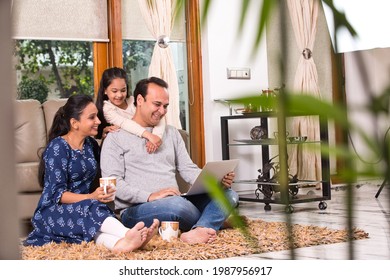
(239,73)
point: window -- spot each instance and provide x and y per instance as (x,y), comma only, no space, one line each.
(138,45)
(42,20)
(53,45)
(137,55)
(53,69)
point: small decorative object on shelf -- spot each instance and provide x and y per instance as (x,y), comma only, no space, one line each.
(296,139)
(250,108)
(269,181)
(258,132)
(269,94)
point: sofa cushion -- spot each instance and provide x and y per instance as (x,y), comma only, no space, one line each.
(27,177)
(27,203)
(30,131)
(50,108)
(183,186)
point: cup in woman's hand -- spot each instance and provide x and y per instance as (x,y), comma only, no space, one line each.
(108,183)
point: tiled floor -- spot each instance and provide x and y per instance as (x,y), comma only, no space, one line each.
(370,214)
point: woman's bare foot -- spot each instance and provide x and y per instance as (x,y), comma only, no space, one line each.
(152,230)
(134,239)
(199,235)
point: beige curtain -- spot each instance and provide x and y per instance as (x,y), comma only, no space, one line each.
(303,160)
(159,17)
(134,27)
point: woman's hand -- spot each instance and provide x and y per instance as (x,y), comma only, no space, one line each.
(227,180)
(99,194)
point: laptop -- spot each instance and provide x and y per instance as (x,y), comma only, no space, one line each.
(215,168)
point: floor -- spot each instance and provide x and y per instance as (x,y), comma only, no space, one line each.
(370,214)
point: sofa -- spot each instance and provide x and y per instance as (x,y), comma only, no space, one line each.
(32,123)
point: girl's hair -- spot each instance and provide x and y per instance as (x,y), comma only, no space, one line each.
(73,108)
(107,77)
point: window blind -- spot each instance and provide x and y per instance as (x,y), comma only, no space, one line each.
(73,20)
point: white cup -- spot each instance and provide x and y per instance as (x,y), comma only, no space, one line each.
(169,230)
(108,182)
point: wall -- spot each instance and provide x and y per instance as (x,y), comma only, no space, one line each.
(222,47)
(366,75)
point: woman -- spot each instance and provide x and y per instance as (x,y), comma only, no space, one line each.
(70,209)
(117,108)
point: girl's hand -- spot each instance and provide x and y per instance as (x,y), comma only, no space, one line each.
(153,143)
(107,129)
(150,147)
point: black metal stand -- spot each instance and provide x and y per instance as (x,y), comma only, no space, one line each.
(268,189)
(380,189)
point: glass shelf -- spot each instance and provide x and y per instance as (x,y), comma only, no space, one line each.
(299,183)
(268,141)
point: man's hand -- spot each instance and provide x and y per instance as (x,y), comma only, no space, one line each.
(227,180)
(163,193)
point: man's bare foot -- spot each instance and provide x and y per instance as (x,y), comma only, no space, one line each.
(199,235)
(134,239)
(152,230)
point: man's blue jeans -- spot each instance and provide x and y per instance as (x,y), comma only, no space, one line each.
(190,212)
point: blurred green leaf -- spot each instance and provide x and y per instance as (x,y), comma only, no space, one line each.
(217,193)
(265,12)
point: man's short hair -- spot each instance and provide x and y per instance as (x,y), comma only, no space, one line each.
(142,87)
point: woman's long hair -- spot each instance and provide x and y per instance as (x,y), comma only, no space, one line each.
(61,124)
(107,77)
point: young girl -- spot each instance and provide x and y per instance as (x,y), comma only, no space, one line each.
(70,209)
(115,107)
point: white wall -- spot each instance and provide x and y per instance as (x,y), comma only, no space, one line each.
(367,74)
(222,47)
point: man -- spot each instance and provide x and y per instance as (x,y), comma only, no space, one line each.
(146,182)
